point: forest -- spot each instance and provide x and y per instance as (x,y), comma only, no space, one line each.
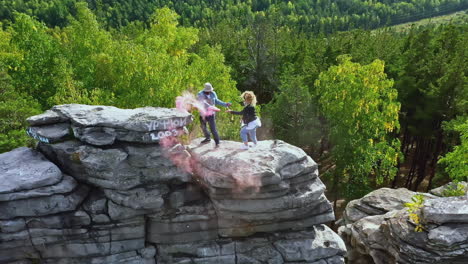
(374,107)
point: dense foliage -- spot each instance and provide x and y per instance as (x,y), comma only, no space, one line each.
(83,63)
(308,15)
(457,160)
(360,105)
(375,108)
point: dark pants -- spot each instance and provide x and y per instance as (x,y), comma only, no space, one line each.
(211,121)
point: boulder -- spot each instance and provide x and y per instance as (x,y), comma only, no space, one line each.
(439,191)
(109,185)
(37,206)
(378,202)
(274,186)
(30,185)
(50,133)
(391,237)
(113,168)
(446,210)
(24,169)
(104,125)
(139,119)
(66,185)
(47,118)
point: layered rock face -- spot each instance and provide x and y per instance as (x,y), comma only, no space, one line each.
(275,187)
(377,229)
(109,185)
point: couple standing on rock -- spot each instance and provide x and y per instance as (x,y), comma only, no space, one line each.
(250,121)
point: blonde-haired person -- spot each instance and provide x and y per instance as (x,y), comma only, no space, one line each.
(250,121)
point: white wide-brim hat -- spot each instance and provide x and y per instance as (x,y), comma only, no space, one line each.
(208,87)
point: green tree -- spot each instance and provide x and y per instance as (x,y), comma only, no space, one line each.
(293,113)
(360,107)
(40,71)
(15,107)
(456,162)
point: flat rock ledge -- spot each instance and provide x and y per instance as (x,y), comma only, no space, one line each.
(274,186)
(103,125)
(96,190)
(377,229)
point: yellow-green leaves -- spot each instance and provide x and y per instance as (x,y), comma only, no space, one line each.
(457,161)
(360,105)
(132,68)
(15,107)
(414,211)
(85,63)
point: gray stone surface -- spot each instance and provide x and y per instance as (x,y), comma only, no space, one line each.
(129,257)
(118,212)
(104,125)
(446,210)
(24,169)
(197,222)
(439,191)
(231,167)
(317,245)
(70,237)
(391,237)
(139,119)
(38,206)
(139,198)
(98,136)
(60,221)
(146,156)
(66,185)
(98,240)
(101,136)
(95,203)
(122,190)
(14,225)
(378,202)
(186,194)
(50,133)
(274,186)
(111,168)
(149,137)
(46,118)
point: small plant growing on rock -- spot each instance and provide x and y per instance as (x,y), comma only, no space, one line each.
(454,190)
(414,210)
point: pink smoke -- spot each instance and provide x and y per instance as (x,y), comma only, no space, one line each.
(187,101)
(245,183)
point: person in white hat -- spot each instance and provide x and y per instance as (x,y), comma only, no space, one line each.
(209,98)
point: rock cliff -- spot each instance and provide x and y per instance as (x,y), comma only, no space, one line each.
(109,185)
(377,229)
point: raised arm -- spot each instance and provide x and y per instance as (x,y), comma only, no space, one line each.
(219,102)
(237,112)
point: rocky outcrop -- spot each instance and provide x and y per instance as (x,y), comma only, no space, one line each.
(317,245)
(109,185)
(32,186)
(102,125)
(274,187)
(377,229)
(445,189)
